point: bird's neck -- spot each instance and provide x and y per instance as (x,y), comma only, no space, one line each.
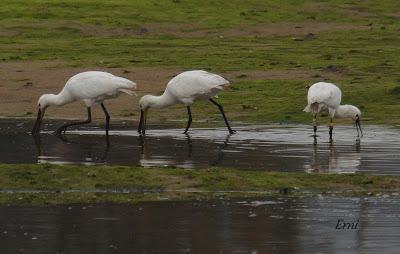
(162,101)
(58,99)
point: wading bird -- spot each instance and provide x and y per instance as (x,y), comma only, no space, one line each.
(186,88)
(326,97)
(90,87)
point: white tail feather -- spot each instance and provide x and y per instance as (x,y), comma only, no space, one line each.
(314,108)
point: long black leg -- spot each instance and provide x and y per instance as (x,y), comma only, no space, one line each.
(330,129)
(189,120)
(140,126)
(107,117)
(65,126)
(221,109)
(315,124)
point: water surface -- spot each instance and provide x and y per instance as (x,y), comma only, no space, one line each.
(281,148)
(267,225)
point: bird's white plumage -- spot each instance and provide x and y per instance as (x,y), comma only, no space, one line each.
(192,85)
(90,87)
(323,96)
(186,88)
(95,86)
(347,111)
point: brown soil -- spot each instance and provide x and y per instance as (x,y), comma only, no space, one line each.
(289,29)
(7,32)
(22,83)
(284,75)
(196,30)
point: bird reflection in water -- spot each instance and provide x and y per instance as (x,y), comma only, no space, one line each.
(220,153)
(172,156)
(334,159)
(72,150)
(148,159)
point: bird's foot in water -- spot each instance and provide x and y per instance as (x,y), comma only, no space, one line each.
(232,131)
(58,133)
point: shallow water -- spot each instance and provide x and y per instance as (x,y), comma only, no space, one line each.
(279,148)
(268,225)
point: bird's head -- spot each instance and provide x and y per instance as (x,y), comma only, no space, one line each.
(44,101)
(145,102)
(350,111)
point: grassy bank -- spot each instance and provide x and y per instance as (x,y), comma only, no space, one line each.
(269,49)
(69,184)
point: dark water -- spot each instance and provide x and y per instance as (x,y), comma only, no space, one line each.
(280,148)
(268,225)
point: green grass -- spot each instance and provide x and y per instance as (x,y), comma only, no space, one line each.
(367,60)
(67,184)
(215,13)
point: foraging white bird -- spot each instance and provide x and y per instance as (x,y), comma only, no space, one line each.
(186,88)
(90,87)
(327,97)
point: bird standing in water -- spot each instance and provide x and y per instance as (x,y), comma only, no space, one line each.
(327,97)
(90,87)
(185,88)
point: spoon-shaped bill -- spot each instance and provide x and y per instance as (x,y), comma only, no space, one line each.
(36,127)
(140,122)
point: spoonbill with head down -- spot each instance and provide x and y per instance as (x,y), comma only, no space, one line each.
(327,97)
(186,88)
(90,87)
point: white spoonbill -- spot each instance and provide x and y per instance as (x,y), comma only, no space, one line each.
(90,87)
(326,97)
(186,88)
